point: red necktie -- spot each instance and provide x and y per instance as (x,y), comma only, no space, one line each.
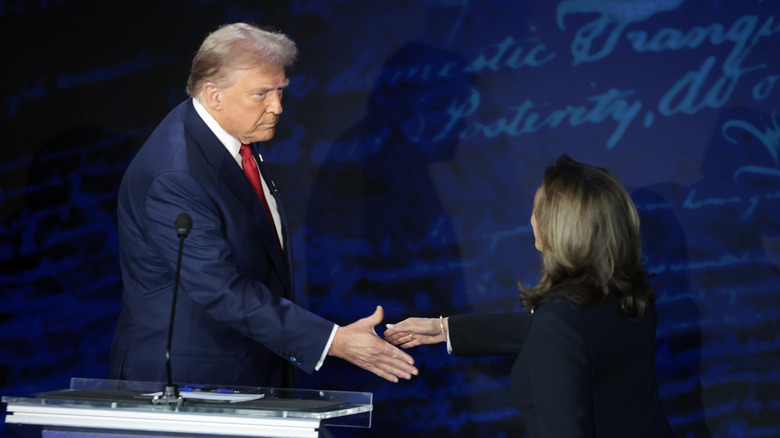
(253,175)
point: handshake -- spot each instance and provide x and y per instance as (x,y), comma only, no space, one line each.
(359,344)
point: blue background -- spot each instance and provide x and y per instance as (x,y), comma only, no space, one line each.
(414,136)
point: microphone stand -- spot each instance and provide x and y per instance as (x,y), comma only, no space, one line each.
(170,395)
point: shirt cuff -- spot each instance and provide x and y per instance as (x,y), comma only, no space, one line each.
(327,347)
(449,345)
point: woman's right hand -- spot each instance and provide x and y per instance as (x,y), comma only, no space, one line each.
(412,332)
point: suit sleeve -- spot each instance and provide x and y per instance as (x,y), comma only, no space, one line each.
(560,377)
(213,278)
(487,334)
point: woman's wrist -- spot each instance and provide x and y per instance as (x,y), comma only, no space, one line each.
(443,327)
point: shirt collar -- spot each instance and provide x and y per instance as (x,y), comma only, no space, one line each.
(232,144)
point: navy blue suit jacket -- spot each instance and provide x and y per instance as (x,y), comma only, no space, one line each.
(580,371)
(235,320)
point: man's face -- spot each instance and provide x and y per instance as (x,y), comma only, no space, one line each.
(249,108)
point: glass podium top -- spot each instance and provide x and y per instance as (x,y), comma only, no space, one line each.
(102,403)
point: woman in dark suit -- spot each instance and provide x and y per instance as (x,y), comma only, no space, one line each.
(585,352)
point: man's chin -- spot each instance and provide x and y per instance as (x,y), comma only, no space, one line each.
(262,136)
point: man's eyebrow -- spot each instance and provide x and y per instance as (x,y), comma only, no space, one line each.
(284,85)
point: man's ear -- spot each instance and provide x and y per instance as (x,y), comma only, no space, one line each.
(212,97)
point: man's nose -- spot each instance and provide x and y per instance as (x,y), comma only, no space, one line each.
(274,103)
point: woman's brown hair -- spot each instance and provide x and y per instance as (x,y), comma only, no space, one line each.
(588,229)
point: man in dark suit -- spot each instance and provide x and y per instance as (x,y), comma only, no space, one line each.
(235,321)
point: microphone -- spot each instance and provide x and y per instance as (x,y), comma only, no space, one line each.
(183,225)
(170,394)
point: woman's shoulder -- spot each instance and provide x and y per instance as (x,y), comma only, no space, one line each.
(607,312)
(559,304)
(560,296)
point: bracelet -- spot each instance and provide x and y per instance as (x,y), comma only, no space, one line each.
(441,324)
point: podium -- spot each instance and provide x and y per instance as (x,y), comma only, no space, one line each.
(93,408)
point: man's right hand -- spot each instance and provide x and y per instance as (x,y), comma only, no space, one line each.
(359,344)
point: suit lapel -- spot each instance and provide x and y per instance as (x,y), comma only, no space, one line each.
(231,174)
(279,207)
